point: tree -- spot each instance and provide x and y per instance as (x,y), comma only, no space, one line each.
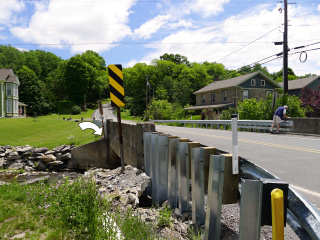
(311,100)
(76,79)
(175,58)
(30,91)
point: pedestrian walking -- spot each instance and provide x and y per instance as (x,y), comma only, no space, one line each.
(278,116)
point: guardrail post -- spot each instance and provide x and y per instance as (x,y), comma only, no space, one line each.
(207,152)
(154,166)
(197,186)
(147,157)
(214,200)
(183,176)
(231,182)
(172,172)
(162,177)
(250,209)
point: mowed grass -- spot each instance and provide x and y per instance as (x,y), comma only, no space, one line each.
(45,131)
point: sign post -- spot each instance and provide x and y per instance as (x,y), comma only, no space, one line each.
(101,117)
(234,128)
(117,99)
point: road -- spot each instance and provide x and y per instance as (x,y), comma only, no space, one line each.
(293,158)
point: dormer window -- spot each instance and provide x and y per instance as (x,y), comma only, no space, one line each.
(202,99)
(263,83)
(253,82)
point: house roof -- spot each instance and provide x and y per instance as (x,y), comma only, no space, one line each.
(232,82)
(8,76)
(300,83)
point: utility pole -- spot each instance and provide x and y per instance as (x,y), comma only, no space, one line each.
(285,49)
(147,85)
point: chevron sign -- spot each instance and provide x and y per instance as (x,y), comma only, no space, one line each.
(116,85)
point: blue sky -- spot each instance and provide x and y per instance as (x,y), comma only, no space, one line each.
(232,32)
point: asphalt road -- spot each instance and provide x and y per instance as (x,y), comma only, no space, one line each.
(293,158)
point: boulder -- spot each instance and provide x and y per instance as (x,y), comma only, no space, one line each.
(58,149)
(40,150)
(2,162)
(41,166)
(65,150)
(65,157)
(13,156)
(50,152)
(31,163)
(15,165)
(48,158)
(24,149)
(55,163)
(2,150)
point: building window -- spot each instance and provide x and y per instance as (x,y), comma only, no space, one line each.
(225,96)
(263,83)
(15,90)
(268,92)
(15,106)
(202,99)
(9,106)
(213,97)
(253,82)
(245,94)
(9,87)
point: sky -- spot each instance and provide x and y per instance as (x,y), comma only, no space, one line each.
(232,32)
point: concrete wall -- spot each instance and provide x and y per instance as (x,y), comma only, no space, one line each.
(306,125)
(132,141)
(105,153)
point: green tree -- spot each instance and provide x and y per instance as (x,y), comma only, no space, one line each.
(77,79)
(160,109)
(175,58)
(30,91)
(11,58)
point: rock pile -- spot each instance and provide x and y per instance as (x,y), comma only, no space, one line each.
(39,159)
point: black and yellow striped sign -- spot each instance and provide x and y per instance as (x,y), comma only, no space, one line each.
(116,85)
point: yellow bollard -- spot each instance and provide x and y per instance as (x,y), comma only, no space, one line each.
(277,214)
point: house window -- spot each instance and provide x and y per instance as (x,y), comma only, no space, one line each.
(263,83)
(225,96)
(202,98)
(268,92)
(15,106)
(253,82)
(15,90)
(245,94)
(9,87)
(9,106)
(213,97)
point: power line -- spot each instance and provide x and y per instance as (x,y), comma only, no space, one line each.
(247,44)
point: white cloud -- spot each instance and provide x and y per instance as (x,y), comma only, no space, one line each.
(76,22)
(206,9)
(319,7)
(8,8)
(223,44)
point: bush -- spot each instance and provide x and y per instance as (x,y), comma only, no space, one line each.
(75,110)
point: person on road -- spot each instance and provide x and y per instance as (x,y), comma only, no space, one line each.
(278,116)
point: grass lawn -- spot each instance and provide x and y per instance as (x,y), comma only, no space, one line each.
(46,131)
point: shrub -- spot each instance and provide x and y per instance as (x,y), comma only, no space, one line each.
(75,110)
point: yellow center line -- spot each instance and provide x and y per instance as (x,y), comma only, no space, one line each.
(257,142)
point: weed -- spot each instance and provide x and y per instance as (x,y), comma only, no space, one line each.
(165,217)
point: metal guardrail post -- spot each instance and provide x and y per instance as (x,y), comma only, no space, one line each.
(197,183)
(162,170)
(147,157)
(172,171)
(154,166)
(250,209)
(183,177)
(214,199)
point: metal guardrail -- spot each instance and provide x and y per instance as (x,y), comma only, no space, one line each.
(171,179)
(262,125)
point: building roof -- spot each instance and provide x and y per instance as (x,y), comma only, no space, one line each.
(300,83)
(233,82)
(8,76)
